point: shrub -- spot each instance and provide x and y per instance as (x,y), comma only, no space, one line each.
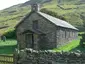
(11,34)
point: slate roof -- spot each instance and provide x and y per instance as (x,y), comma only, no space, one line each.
(57,21)
(54,20)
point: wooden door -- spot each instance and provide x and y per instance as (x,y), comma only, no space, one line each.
(29,41)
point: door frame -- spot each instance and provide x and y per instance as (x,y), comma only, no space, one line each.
(32,44)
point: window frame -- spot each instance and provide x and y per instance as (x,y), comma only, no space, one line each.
(35,25)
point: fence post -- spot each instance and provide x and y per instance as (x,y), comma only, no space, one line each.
(15,57)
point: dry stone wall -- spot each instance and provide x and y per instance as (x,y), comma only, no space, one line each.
(29,56)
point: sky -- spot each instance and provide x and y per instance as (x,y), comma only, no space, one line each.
(7,3)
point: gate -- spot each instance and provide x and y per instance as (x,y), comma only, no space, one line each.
(6,59)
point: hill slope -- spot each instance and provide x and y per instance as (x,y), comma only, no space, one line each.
(72,11)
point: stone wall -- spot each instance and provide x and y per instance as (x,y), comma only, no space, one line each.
(64,36)
(29,56)
(44,26)
(54,36)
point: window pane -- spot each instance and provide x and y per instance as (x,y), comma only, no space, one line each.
(35,24)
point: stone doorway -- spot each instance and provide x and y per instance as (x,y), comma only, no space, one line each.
(29,41)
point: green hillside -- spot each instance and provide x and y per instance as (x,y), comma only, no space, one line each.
(72,11)
(11,16)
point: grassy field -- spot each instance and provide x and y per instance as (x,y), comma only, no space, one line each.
(71,45)
(8,47)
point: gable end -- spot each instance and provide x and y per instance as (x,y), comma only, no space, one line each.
(24,18)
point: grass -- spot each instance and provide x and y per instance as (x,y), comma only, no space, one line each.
(8,43)
(82,49)
(8,47)
(73,44)
(69,6)
(72,15)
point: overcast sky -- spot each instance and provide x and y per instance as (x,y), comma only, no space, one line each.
(7,3)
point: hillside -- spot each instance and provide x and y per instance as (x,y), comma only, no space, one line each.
(72,11)
(11,16)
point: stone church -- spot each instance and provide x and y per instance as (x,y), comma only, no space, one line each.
(41,31)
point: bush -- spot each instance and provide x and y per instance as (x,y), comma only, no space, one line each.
(11,34)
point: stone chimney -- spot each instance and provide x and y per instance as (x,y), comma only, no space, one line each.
(35,7)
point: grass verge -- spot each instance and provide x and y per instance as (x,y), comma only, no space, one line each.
(8,46)
(73,44)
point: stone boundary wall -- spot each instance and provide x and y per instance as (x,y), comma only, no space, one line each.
(29,56)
